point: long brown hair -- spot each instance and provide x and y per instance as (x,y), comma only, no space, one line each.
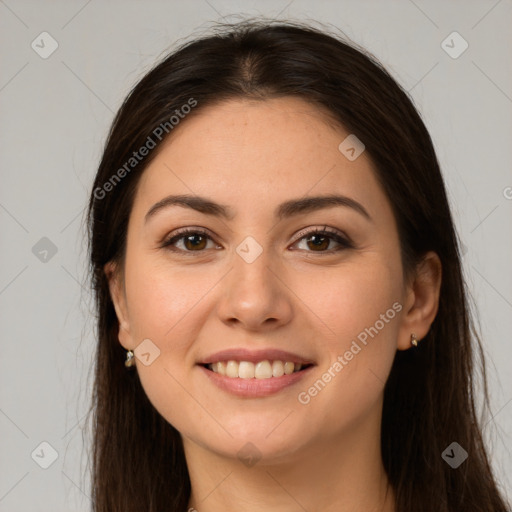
(429,398)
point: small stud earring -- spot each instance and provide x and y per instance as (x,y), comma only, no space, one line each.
(130,361)
(414,340)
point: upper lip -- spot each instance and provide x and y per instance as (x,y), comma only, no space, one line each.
(254,356)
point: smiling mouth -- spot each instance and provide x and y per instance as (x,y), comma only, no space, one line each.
(265,369)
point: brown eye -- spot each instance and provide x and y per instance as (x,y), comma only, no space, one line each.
(190,240)
(319,241)
(193,242)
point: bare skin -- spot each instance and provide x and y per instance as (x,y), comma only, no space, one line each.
(316,454)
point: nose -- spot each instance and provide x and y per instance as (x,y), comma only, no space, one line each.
(255,295)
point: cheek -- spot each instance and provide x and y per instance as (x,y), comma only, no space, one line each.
(164,304)
(348,300)
(358,318)
(162,299)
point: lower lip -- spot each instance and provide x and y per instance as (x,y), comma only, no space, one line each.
(253,388)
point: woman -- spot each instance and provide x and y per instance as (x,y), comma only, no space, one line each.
(282,318)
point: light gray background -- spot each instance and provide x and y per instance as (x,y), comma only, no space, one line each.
(54,116)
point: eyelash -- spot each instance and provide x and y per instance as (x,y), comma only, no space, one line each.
(326,231)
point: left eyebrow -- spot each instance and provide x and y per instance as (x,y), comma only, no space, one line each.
(284,210)
(309,204)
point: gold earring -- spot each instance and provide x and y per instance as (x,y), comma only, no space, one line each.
(414,340)
(130,361)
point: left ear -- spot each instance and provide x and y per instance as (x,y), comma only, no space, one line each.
(422,301)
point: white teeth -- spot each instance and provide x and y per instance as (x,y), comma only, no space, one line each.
(246,370)
(261,370)
(232,369)
(221,367)
(288,368)
(277,369)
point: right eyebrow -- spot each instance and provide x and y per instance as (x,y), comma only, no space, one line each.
(200,204)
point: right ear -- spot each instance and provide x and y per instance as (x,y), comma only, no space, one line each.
(118,296)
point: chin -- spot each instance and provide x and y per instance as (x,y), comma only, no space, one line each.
(265,445)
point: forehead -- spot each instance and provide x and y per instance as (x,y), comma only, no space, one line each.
(252,153)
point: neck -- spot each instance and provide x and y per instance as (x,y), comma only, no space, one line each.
(342,473)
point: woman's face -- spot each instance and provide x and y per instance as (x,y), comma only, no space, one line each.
(260,281)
